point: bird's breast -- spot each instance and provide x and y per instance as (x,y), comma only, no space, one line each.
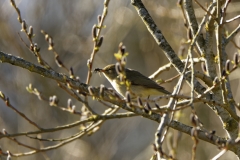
(120,88)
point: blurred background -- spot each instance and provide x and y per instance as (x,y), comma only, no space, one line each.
(70,24)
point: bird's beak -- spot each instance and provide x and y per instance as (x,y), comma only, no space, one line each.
(98,70)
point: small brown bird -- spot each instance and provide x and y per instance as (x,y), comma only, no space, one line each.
(140,85)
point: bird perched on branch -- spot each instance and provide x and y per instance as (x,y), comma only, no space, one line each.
(139,85)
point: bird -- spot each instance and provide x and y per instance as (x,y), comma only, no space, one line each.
(140,85)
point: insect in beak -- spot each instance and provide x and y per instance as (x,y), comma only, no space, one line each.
(98,70)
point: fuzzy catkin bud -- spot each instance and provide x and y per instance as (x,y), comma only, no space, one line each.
(123,50)
(204,67)
(227,66)
(69,103)
(35,48)
(71,71)
(128,98)
(181,51)
(73,108)
(215,81)
(13,3)
(30,31)
(99,19)
(90,90)
(140,104)
(148,106)
(123,61)
(193,119)
(120,46)
(58,61)
(24,25)
(179,2)
(118,68)
(8,155)
(145,110)
(158,107)
(236,59)
(224,73)
(189,33)
(102,88)
(89,63)
(46,37)
(53,100)
(94,31)
(100,41)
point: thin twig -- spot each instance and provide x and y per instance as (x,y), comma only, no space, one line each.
(232,19)
(96,39)
(219,154)
(206,11)
(8,104)
(169,66)
(233,34)
(77,136)
(108,96)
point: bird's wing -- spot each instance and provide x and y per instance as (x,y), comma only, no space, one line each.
(145,81)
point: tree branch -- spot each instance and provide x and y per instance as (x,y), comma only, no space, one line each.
(107,96)
(163,44)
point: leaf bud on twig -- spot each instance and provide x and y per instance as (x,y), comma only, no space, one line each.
(35,48)
(31,47)
(118,68)
(30,31)
(123,50)
(99,19)
(181,51)
(100,41)
(215,81)
(88,63)
(194,119)
(128,98)
(90,90)
(13,3)
(227,66)
(71,72)
(8,155)
(50,42)
(189,33)
(179,2)
(140,104)
(148,106)
(236,59)
(224,73)
(53,101)
(204,67)
(58,61)
(102,88)
(123,61)
(24,25)
(145,110)
(7,101)
(94,32)
(69,103)
(73,108)
(158,107)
